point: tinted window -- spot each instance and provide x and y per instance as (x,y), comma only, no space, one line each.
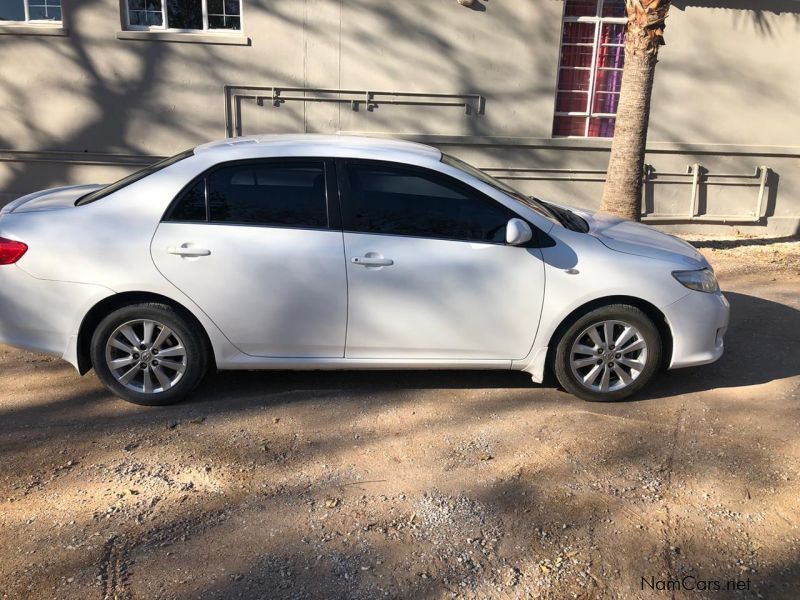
(192,205)
(399,201)
(269,194)
(529,201)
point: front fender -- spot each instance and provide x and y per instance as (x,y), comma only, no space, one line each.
(580,271)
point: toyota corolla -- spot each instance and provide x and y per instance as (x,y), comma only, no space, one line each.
(334,252)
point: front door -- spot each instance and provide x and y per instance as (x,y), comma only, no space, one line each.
(429,273)
(250,244)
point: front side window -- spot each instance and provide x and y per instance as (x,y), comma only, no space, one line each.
(31,11)
(528,201)
(257,193)
(412,202)
(184,15)
(590,71)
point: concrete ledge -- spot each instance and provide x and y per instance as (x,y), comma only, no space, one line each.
(78,158)
(33,29)
(191,38)
(590,144)
(11,155)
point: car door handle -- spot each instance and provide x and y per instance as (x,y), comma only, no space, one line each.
(371,261)
(189,252)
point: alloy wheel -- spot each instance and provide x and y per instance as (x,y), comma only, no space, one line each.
(146,356)
(608,356)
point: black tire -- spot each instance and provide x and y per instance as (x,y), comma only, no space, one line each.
(615,312)
(195,360)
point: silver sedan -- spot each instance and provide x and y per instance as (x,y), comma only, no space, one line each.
(334,252)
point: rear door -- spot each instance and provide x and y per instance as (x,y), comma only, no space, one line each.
(429,273)
(253,245)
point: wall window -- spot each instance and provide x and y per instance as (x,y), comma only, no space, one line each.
(184,15)
(31,11)
(590,71)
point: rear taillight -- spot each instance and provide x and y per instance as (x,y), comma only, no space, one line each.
(11,251)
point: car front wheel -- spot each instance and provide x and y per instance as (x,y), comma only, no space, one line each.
(149,354)
(608,354)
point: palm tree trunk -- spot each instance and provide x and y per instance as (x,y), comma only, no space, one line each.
(622,194)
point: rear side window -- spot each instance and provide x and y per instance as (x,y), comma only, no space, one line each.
(255,193)
(192,205)
(420,203)
(132,178)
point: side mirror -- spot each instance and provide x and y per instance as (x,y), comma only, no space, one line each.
(518,232)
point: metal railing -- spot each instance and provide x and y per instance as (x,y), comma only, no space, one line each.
(473,104)
(695,174)
(701,176)
(541,174)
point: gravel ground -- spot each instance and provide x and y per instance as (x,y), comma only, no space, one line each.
(418,485)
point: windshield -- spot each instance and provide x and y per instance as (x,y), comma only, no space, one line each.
(133,177)
(532,203)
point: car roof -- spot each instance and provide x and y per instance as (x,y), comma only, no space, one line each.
(350,146)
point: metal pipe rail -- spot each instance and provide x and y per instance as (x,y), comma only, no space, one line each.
(531,174)
(700,175)
(473,104)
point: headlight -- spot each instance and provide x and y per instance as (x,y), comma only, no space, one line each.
(701,281)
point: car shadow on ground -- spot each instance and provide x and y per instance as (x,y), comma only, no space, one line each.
(742,242)
(761,345)
(247,383)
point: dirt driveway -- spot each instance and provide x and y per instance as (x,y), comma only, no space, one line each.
(417,485)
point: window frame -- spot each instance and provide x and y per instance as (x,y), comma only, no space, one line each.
(127,26)
(332,208)
(28,21)
(599,20)
(347,216)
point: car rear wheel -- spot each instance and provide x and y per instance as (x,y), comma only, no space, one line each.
(608,354)
(149,354)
